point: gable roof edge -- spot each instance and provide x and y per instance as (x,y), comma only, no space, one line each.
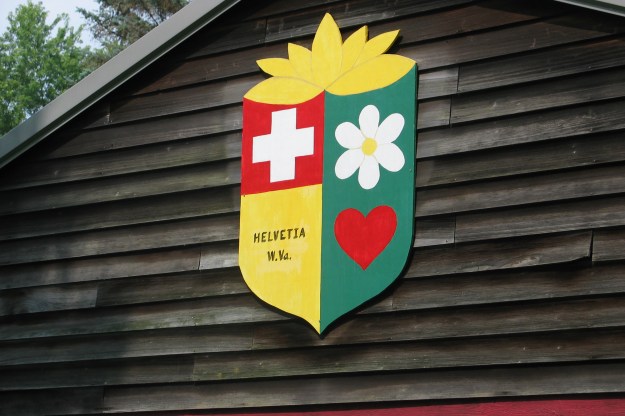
(109,76)
(616,7)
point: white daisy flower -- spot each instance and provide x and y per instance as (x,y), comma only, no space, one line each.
(369,146)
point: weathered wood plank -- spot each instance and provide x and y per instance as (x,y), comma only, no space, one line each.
(539,64)
(568,216)
(192,313)
(218,256)
(122,161)
(101,268)
(527,128)
(608,245)
(433,113)
(526,349)
(196,97)
(215,67)
(414,29)
(430,232)
(432,324)
(122,240)
(548,94)
(167,288)
(135,185)
(286,6)
(416,321)
(55,402)
(513,285)
(499,255)
(518,191)
(46,299)
(163,342)
(526,158)
(398,387)
(437,83)
(432,84)
(223,200)
(360,12)
(136,290)
(231,35)
(166,129)
(177,369)
(515,39)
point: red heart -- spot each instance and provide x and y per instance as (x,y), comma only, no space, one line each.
(364,238)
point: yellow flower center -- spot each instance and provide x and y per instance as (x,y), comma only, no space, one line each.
(369,146)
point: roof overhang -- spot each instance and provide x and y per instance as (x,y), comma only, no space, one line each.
(609,6)
(109,76)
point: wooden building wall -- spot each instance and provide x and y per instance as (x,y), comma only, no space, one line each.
(119,286)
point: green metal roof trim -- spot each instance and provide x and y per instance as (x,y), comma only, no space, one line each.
(109,76)
(609,6)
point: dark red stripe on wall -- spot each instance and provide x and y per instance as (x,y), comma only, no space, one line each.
(589,407)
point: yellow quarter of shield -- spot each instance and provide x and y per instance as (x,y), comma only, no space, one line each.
(280,249)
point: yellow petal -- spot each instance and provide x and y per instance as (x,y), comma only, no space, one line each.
(378,72)
(326,52)
(377,46)
(352,48)
(281,90)
(301,60)
(277,67)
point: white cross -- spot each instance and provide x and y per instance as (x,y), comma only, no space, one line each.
(283,145)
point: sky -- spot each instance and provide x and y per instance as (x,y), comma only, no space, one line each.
(54,8)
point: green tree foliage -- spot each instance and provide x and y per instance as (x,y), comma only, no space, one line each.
(118,23)
(38,61)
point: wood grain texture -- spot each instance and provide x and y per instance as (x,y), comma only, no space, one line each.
(100,268)
(165,129)
(46,299)
(123,161)
(223,200)
(608,245)
(490,351)
(520,191)
(359,13)
(197,97)
(452,384)
(142,237)
(433,113)
(166,288)
(501,255)
(451,323)
(513,285)
(192,313)
(549,94)
(528,128)
(137,344)
(57,402)
(217,256)
(556,217)
(141,371)
(550,155)
(231,34)
(430,232)
(536,65)
(552,348)
(113,189)
(515,39)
